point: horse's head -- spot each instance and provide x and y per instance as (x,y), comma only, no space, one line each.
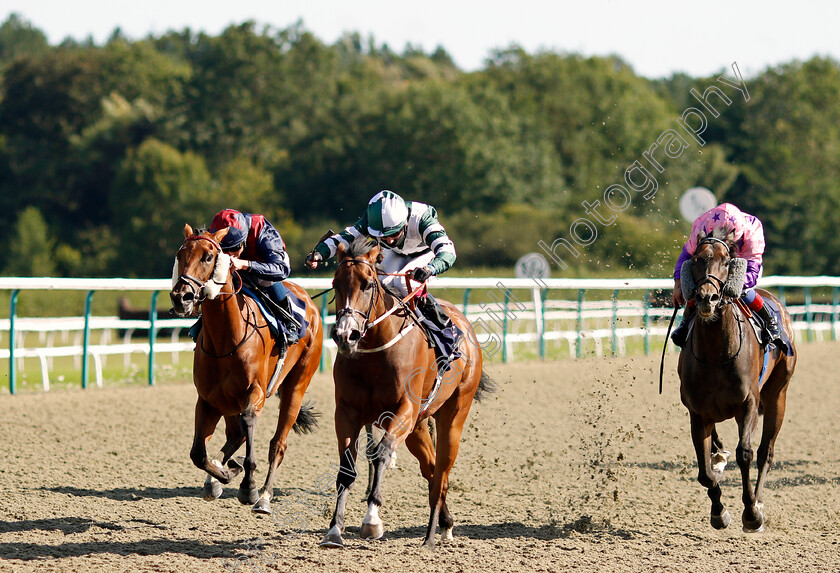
(200,271)
(356,286)
(714,273)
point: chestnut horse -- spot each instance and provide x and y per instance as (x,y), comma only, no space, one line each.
(235,357)
(385,374)
(719,370)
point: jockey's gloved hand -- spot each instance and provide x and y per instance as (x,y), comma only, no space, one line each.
(313,258)
(422,274)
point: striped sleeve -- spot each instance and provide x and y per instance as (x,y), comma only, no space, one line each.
(434,235)
(329,246)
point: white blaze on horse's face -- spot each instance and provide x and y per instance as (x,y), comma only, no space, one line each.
(710,270)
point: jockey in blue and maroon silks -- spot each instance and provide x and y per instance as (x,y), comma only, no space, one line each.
(257,250)
(749,239)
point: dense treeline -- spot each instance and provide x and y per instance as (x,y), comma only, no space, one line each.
(105,151)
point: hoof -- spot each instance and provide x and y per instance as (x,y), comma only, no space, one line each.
(332,539)
(372,531)
(429,544)
(719,460)
(212,489)
(236,466)
(446,536)
(248,496)
(756,526)
(721,521)
(262,506)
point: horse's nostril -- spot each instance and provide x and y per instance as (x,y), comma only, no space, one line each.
(714,298)
(355,336)
(187,297)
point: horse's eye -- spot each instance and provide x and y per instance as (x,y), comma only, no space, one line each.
(207,257)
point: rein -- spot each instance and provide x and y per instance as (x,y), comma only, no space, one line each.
(690,343)
(368,323)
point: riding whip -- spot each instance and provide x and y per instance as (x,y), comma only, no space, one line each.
(665,346)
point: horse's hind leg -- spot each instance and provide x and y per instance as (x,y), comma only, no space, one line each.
(293,388)
(752,518)
(701,436)
(719,455)
(248,493)
(234,439)
(774,415)
(450,423)
(421,444)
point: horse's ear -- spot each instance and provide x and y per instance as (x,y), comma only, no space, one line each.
(220,234)
(188,231)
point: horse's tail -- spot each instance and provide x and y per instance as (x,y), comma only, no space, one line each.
(486,385)
(307,419)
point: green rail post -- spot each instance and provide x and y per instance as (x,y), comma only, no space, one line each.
(542,334)
(152,317)
(86,339)
(12,311)
(466,300)
(505,327)
(834,313)
(323,328)
(782,295)
(578,350)
(615,323)
(808,314)
(647,322)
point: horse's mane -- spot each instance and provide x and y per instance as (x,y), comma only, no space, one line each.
(360,246)
(725,234)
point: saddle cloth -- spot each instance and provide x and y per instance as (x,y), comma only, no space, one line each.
(274,325)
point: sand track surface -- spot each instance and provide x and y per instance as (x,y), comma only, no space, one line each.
(570,465)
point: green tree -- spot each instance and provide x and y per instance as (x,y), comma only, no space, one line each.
(31,249)
(19,38)
(157,189)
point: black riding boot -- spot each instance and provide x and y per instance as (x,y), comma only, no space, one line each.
(681,332)
(279,296)
(774,332)
(431,309)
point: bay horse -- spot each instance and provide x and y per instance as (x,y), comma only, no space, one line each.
(234,359)
(385,374)
(720,369)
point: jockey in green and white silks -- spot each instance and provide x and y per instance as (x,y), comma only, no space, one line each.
(411,237)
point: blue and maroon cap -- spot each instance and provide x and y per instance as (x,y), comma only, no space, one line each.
(238,228)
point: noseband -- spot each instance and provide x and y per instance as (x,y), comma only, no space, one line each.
(709,278)
(197,285)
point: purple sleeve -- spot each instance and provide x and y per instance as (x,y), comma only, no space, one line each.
(684,256)
(753,270)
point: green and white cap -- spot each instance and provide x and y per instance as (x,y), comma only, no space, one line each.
(386,214)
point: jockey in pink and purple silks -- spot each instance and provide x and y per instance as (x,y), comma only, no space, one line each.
(749,240)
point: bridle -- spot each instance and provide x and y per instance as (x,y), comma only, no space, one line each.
(709,278)
(196,285)
(719,284)
(365,316)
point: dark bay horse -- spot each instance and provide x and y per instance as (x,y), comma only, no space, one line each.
(385,374)
(719,371)
(235,357)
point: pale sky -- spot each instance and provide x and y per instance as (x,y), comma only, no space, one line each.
(656,37)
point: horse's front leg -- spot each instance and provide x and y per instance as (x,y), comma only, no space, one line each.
(248,493)
(701,436)
(396,427)
(234,439)
(206,418)
(752,518)
(347,431)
